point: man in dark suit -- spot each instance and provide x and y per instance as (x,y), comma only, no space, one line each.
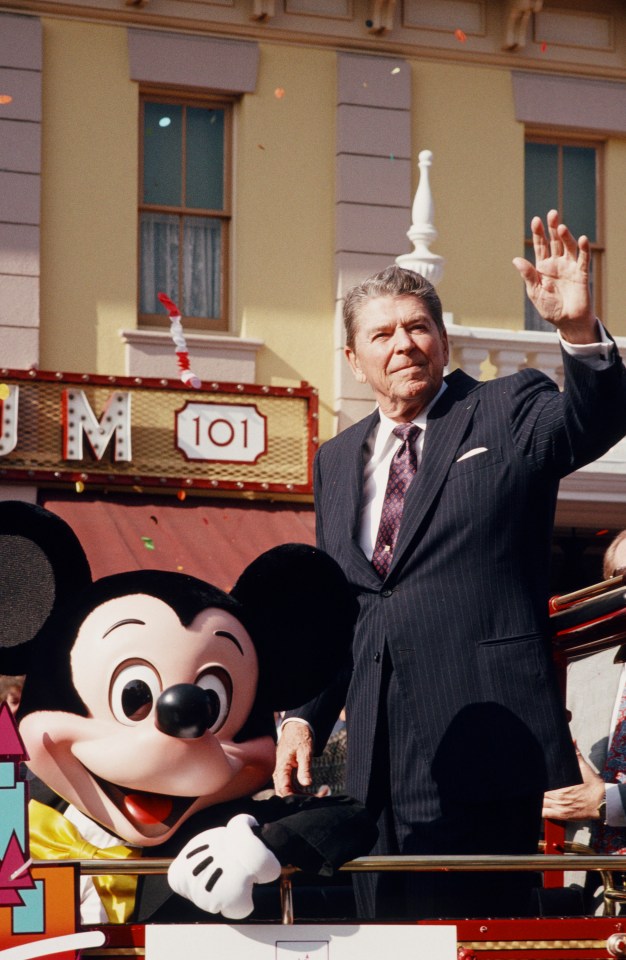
(455,723)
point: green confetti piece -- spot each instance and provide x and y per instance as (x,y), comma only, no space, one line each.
(148,543)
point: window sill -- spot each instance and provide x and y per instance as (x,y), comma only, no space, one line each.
(215,357)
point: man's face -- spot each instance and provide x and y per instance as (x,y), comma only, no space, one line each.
(400,352)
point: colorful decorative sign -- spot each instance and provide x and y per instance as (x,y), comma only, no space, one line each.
(38,905)
(98,431)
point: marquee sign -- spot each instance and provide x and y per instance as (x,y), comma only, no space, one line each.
(140,432)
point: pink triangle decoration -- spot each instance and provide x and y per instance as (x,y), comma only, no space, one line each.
(10,741)
(12,877)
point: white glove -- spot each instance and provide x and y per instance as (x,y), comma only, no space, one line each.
(217,869)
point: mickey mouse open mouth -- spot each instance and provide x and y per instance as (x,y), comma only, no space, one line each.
(151,814)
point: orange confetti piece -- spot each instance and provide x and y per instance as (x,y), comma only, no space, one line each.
(5,98)
(279,93)
(460,35)
(181,495)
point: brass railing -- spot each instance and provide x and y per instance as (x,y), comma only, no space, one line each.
(540,862)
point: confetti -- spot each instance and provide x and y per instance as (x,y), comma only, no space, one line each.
(260,146)
(5,98)
(79,486)
(148,543)
(544,46)
(20,870)
(460,35)
(176,330)
(5,391)
(396,70)
(180,567)
(153,518)
(181,495)
(279,93)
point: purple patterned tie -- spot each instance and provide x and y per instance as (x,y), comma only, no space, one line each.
(606,839)
(402,470)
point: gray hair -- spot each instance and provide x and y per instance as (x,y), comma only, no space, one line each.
(608,565)
(394,281)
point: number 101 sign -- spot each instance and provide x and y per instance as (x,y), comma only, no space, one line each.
(230,432)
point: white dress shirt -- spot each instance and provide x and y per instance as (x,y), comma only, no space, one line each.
(381,447)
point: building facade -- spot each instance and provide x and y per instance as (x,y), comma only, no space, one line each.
(252,159)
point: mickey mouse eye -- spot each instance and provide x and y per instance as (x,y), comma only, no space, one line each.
(218,690)
(134,691)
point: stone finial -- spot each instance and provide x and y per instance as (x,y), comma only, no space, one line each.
(381,16)
(263,10)
(422,231)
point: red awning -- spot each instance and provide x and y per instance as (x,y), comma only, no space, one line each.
(213,540)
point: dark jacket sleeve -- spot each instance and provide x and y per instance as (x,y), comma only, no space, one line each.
(317,834)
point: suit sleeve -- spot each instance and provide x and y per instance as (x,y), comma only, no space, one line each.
(322,712)
(566,430)
(618,819)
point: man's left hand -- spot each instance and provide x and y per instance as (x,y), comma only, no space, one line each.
(558,283)
(579,802)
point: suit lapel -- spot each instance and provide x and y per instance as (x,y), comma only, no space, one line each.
(447,424)
(352,468)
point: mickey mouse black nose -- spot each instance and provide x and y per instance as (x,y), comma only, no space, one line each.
(182,711)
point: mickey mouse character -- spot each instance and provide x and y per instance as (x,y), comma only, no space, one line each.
(148,707)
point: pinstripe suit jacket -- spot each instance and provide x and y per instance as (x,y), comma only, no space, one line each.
(463,610)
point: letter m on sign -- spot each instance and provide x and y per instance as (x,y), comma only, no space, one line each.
(80,421)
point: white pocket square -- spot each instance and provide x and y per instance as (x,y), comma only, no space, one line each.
(472,453)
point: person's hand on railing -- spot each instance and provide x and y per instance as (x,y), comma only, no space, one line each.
(578,802)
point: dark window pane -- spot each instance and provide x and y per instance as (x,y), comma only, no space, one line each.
(202,267)
(159,260)
(540,181)
(205,158)
(162,154)
(579,190)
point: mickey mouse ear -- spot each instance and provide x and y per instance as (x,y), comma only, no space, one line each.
(41,563)
(300,610)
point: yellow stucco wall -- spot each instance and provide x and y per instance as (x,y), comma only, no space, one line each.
(615,223)
(89,197)
(285,217)
(284,203)
(465,115)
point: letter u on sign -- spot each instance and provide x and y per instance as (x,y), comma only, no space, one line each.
(230,432)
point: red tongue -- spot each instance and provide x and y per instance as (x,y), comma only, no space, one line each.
(148,807)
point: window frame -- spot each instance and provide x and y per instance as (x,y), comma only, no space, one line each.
(598,246)
(189,98)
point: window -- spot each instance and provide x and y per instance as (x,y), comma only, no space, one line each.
(184,209)
(564,174)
